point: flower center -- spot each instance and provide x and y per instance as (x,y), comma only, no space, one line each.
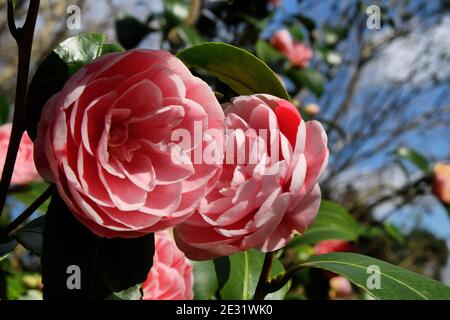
(118,134)
(119,144)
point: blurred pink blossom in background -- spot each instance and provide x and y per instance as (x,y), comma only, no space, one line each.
(297,53)
(24,169)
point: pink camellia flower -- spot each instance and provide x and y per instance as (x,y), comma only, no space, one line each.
(329,246)
(267,191)
(300,55)
(295,51)
(171,275)
(282,40)
(106,141)
(24,169)
(441,183)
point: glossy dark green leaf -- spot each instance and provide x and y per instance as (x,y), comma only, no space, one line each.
(107,265)
(30,236)
(130,32)
(57,67)
(307,78)
(222,266)
(245,269)
(79,50)
(7,247)
(237,68)
(68,243)
(417,159)
(123,263)
(4,110)
(133,293)
(111,47)
(205,280)
(332,222)
(277,269)
(394,282)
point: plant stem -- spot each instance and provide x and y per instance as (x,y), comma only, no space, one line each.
(264,279)
(28,212)
(24,39)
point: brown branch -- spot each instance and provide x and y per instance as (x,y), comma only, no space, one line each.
(24,39)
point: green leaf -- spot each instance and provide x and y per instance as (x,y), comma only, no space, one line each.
(222,266)
(244,275)
(4,110)
(6,248)
(123,263)
(239,69)
(130,32)
(267,53)
(79,50)
(205,280)
(111,47)
(133,293)
(277,269)
(395,282)
(107,265)
(307,22)
(30,235)
(332,222)
(394,232)
(417,159)
(53,72)
(296,32)
(308,78)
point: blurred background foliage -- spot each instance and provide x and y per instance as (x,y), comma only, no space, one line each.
(383,97)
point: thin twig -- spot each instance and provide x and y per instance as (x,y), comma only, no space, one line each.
(24,39)
(11,23)
(28,212)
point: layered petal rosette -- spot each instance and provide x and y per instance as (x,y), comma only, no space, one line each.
(106,141)
(268,190)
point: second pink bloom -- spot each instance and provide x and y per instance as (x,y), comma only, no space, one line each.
(259,205)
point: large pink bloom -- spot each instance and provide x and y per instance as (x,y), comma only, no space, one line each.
(295,51)
(24,169)
(105,140)
(259,204)
(171,275)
